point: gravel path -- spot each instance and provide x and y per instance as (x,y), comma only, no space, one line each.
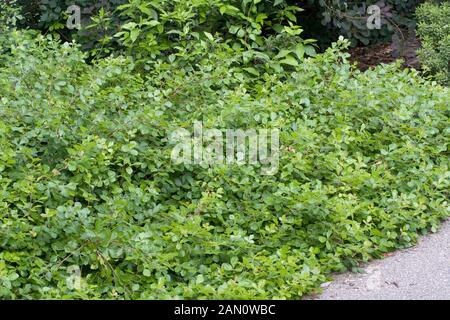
(420,272)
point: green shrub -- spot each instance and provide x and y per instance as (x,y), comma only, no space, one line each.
(434,31)
(87,182)
(326,20)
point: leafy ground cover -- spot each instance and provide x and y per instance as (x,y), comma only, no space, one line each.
(87,182)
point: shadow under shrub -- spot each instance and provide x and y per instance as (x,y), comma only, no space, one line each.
(434,31)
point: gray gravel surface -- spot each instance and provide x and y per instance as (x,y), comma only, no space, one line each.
(418,273)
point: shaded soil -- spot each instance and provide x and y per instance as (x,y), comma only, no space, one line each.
(421,272)
(384,53)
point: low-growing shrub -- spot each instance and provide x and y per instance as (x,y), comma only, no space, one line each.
(92,205)
(434,31)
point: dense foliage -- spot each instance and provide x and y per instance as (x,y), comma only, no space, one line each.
(87,182)
(349,18)
(153,25)
(434,31)
(170,30)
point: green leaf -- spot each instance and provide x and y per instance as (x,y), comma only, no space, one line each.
(310,51)
(283,53)
(289,60)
